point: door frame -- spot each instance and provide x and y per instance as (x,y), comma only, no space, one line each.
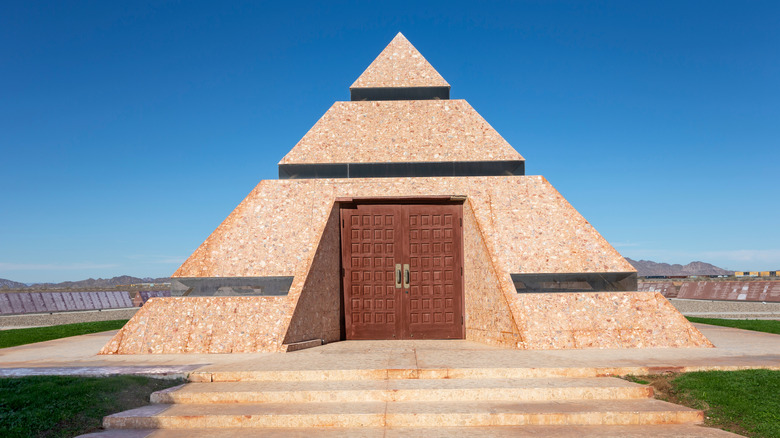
(347,202)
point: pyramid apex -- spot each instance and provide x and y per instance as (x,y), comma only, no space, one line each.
(402,37)
(400,72)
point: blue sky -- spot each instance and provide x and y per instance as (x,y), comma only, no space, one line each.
(130,130)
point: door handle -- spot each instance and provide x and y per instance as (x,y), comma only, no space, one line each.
(398,276)
(406,276)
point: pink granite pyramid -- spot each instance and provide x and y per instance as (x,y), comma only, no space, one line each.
(399,65)
(403,214)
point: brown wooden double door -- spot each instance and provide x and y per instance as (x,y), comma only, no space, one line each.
(403,271)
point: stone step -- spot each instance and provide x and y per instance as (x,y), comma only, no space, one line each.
(404,390)
(633,431)
(403,414)
(227,375)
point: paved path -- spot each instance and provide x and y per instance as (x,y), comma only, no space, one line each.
(644,431)
(735,349)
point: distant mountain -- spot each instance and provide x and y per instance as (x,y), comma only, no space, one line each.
(87,284)
(647,268)
(11,284)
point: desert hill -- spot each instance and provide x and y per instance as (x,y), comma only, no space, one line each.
(89,283)
(647,268)
(11,284)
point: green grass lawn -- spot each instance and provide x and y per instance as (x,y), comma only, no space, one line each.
(54,406)
(14,337)
(745,402)
(758,325)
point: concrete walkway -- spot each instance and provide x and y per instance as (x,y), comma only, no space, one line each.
(643,431)
(735,349)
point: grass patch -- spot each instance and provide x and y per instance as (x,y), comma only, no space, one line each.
(758,325)
(14,337)
(55,406)
(744,402)
(635,379)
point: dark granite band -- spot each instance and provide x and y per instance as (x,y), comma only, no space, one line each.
(401,93)
(575,282)
(401,170)
(230,286)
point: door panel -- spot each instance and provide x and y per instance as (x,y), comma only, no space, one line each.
(369,251)
(402,271)
(435,258)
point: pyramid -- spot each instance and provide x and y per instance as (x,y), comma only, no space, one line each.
(403,214)
(400,72)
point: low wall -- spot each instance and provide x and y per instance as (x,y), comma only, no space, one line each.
(727,309)
(47,302)
(48,319)
(743,290)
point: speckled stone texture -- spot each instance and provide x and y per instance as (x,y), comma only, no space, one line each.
(318,311)
(400,65)
(602,320)
(489,318)
(204,325)
(517,224)
(245,324)
(526,224)
(401,131)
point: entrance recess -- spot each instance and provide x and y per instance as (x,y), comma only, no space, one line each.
(402,271)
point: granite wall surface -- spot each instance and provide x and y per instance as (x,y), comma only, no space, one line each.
(317,314)
(511,224)
(602,320)
(400,64)
(401,131)
(528,226)
(204,325)
(488,316)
